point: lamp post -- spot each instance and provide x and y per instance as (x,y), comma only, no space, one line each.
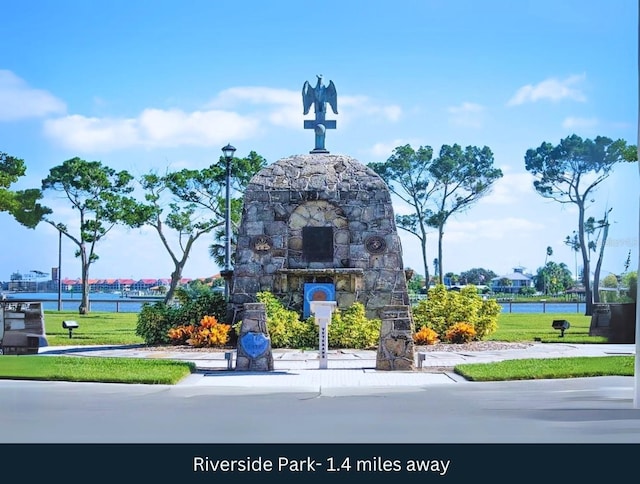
(228,152)
(59,270)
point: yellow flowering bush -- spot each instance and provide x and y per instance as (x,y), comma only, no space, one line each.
(442,309)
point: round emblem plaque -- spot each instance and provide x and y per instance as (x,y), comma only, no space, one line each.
(375,244)
(261,243)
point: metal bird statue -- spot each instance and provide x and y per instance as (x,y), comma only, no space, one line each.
(319,96)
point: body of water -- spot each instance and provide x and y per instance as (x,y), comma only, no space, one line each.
(98,302)
(114,303)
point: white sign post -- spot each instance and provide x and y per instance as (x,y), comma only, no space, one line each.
(322,312)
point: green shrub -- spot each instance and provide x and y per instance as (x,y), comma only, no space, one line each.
(487,321)
(350,328)
(155,320)
(154,323)
(195,306)
(284,325)
(442,309)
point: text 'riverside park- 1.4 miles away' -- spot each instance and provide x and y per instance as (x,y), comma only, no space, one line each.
(329,464)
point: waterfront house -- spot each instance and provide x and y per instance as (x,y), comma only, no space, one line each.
(513,282)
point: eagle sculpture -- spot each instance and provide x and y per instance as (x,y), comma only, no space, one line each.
(319,96)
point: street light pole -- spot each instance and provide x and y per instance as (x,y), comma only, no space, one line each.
(59,270)
(228,152)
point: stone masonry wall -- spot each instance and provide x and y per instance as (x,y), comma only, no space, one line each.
(319,190)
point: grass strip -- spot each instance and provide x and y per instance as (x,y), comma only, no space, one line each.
(548,368)
(94,369)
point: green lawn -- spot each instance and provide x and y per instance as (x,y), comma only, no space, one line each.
(119,329)
(93,369)
(94,328)
(517,327)
(536,369)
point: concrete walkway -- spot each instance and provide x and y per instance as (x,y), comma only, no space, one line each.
(296,370)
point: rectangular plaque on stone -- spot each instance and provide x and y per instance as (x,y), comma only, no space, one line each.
(402,324)
(317,244)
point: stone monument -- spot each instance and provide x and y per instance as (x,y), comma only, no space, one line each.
(321,226)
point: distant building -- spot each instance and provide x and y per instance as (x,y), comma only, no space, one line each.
(513,282)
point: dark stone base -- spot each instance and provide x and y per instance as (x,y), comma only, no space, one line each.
(396,348)
(622,327)
(254,324)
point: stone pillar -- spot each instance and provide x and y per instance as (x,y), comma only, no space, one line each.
(396,349)
(254,343)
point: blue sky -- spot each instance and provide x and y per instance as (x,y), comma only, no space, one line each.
(154,85)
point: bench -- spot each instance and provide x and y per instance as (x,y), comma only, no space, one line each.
(16,343)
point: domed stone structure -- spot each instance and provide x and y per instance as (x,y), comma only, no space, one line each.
(319,221)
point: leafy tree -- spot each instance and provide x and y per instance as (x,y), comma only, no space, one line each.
(549,254)
(570,173)
(408,177)
(553,278)
(100,196)
(242,170)
(477,276)
(167,212)
(436,189)
(191,203)
(416,283)
(630,280)
(21,204)
(610,281)
(462,177)
(454,278)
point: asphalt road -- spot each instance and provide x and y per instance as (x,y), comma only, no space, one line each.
(584,410)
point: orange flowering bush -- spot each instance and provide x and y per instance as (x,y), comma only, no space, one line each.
(180,334)
(426,336)
(208,333)
(460,333)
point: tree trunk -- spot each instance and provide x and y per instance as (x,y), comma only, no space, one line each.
(586,269)
(440,236)
(84,302)
(596,274)
(423,244)
(176,275)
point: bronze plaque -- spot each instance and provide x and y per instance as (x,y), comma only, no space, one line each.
(375,244)
(317,244)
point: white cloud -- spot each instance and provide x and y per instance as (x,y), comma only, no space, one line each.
(365,106)
(510,189)
(580,123)
(256,95)
(385,150)
(467,114)
(550,89)
(19,101)
(153,127)
(236,113)
(509,228)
